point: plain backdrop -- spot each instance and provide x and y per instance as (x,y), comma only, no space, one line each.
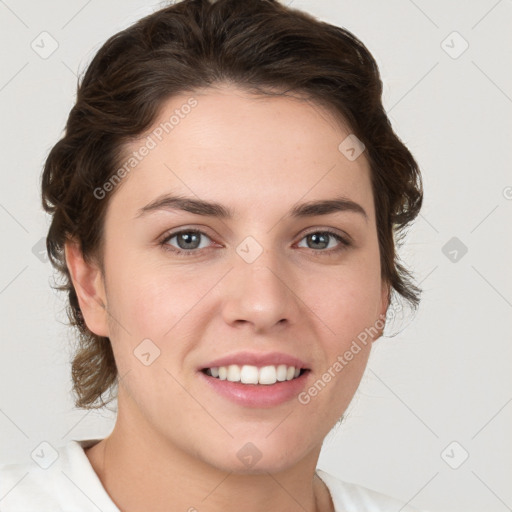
(431,421)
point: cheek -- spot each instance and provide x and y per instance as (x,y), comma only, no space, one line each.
(147,296)
(346,311)
(159,303)
(346,300)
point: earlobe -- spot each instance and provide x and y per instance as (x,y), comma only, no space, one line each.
(88,282)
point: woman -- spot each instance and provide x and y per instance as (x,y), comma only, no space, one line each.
(224,205)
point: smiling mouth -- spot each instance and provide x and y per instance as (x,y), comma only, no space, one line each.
(254,375)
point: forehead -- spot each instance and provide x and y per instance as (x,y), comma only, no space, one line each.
(241,149)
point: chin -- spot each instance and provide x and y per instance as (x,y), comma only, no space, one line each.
(259,456)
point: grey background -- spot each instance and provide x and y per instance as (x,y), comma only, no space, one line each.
(445,378)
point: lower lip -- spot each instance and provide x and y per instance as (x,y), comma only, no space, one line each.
(257,395)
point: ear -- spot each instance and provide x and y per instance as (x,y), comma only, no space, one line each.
(385,298)
(89,285)
(384,304)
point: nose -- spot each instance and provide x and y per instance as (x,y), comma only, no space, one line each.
(260,294)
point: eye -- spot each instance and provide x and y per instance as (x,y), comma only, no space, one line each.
(322,240)
(188,242)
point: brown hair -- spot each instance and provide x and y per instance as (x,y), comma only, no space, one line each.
(259,45)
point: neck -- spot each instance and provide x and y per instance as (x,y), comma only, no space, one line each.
(144,472)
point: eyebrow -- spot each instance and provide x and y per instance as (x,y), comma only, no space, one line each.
(213,209)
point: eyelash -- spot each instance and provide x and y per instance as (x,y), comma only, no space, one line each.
(344,243)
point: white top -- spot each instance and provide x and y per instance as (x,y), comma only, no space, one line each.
(63,480)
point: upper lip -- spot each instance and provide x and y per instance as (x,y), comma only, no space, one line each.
(257,359)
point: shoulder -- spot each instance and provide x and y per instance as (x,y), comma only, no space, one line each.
(350,497)
(58,479)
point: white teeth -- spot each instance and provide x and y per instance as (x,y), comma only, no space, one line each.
(234,373)
(268,375)
(248,374)
(281,372)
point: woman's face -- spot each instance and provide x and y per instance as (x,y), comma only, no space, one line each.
(264,287)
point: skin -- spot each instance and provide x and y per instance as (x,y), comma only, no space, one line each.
(175,437)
